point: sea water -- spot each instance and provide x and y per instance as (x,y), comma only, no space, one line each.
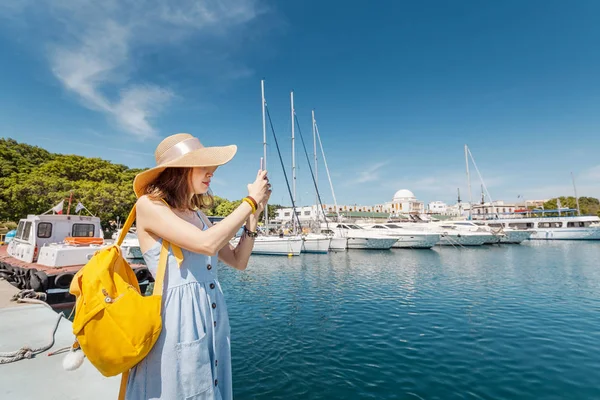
(488,322)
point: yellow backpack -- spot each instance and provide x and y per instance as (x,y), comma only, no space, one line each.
(115,325)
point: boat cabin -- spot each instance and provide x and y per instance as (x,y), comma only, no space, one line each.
(36,231)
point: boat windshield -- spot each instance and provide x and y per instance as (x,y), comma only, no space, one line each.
(354,227)
(393,226)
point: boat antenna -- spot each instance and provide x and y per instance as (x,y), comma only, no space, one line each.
(575,190)
(310,168)
(287,182)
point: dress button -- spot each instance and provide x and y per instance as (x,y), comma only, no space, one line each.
(215,324)
(212,285)
(209,267)
(214,305)
(216,381)
(216,363)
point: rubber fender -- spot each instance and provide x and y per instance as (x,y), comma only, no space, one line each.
(41,275)
(36,280)
(5,274)
(63,281)
(142,274)
(28,277)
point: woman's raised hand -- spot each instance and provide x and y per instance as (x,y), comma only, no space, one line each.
(260,189)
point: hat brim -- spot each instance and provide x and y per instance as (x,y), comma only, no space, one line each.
(204,157)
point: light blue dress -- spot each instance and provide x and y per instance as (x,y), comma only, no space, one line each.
(192,356)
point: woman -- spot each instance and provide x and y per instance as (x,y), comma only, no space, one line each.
(192,358)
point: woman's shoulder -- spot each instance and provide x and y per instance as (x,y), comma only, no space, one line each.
(145,203)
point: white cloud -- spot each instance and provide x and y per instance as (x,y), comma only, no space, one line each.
(370,173)
(96,46)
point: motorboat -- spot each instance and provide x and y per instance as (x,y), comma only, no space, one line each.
(407,238)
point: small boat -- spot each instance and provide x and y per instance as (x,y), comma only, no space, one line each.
(275,245)
(130,246)
(48,250)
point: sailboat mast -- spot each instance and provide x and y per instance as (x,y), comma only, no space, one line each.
(469,183)
(575,190)
(264,121)
(328,175)
(315,155)
(293,157)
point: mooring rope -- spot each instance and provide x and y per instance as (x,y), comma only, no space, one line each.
(29,296)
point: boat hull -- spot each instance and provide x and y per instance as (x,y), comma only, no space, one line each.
(319,245)
(463,240)
(566,234)
(360,243)
(515,237)
(276,246)
(338,244)
(52,281)
(417,242)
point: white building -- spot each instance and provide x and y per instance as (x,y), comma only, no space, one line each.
(496,207)
(437,207)
(404,202)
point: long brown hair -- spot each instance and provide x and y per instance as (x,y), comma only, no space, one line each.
(174,186)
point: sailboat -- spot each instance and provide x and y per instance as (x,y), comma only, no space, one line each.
(270,244)
(311,242)
(339,238)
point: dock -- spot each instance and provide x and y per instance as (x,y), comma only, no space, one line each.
(43,376)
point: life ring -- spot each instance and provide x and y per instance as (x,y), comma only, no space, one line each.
(84,240)
(142,274)
(63,281)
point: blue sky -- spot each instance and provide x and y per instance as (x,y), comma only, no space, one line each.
(398,88)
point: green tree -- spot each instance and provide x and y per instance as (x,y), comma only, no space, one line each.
(587,205)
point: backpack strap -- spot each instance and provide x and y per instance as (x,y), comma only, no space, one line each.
(126,226)
(162,265)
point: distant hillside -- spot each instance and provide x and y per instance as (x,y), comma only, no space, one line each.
(32,180)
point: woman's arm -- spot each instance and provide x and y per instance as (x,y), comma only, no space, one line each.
(238,257)
(156,218)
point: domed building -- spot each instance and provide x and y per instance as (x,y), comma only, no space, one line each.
(404,202)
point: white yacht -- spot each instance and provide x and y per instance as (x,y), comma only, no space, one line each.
(509,235)
(360,238)
(553,228)
(452,234)
(407,238)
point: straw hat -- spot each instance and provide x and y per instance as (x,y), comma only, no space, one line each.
(179,151)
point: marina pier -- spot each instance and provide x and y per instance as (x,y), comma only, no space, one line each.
(43,376)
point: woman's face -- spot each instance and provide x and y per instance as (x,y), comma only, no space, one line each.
(201,177)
